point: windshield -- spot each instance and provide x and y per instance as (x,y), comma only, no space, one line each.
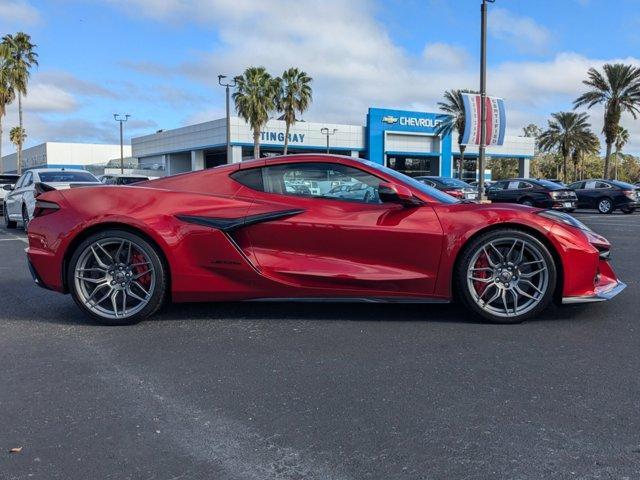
(552,185)
(66,177)
(432,192)
(625,185)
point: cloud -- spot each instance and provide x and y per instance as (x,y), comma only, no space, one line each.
(445,55)
(18,13)
(75,84)
(523,32)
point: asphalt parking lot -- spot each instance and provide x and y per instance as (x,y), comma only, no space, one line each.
(304,391)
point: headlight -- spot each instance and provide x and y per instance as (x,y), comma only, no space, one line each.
(564,218)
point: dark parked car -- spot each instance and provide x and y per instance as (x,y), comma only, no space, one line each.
(487,185)
(452,186)
(535,193)
(607,195)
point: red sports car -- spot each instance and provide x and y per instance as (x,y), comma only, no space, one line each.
(306,227)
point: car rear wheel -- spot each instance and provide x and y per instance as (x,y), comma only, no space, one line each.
(506,276)
(526,201)
(7,222)
(25,217)
(117,277)
(605,205)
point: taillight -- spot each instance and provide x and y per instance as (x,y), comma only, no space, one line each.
(630,194)
(455,193)
(44,208)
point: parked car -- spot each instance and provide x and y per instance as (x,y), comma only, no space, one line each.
(6,179)
(454,187)
(121,179)
(487,184)
(20,199)
(555,180)
(607,195)
(235,233)
(534,193)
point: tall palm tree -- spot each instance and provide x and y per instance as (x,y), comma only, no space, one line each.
(622,138)
(20,56)
(565,131)
(7,95)
(17,135)
(588,143)
(293,96)
(255,98)
(618,89)
(453,119)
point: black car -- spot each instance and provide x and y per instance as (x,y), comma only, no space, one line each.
(607,195)
(535,193)
(452,186)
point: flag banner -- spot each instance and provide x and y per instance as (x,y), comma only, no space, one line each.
(496,119)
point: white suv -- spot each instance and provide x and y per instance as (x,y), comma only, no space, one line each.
(20,202)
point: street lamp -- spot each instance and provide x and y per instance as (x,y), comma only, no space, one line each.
(227,86)
(483,95)
(121,118)
(328,133)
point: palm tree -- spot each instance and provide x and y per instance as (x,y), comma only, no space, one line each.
(587,143)
(622,138)
(453,119)
(565,131)
(7,95)
(20,57)
(17,136)
(255,98)
(619,90)
(293,96)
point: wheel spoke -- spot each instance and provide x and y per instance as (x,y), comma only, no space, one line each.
(482,269)
(142,274)
(494,297)
(483,280)
(114,302)
(515,301)
(489,259)
(105,252)
(500,255)
(135,295)
(533,273)
(98,259)
(532,286)
(118,252)
(137,284)
(102,299)
(508,256)
(525,294)
(504,301)
(91,280)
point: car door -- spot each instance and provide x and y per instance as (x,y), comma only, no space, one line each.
(13,198)
(343,246)
(578,188)
(590,194)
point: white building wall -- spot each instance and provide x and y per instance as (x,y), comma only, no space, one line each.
(515,146)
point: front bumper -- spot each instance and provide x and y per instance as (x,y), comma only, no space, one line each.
(606,285)
(598,295)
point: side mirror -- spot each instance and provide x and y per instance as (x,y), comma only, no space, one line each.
(394,193)
(8,187)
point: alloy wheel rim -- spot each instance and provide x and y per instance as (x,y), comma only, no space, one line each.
(605,205)
(114,278)
(508,277)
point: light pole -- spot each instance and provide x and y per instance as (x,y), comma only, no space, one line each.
(483,96)
(227,86)
(121,118)
(328,133)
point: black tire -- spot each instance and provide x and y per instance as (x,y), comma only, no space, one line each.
(570,210)
(462,289)
(10,224)
(627,210)
(605,205)
(159,294)
(526,201)
(25,217)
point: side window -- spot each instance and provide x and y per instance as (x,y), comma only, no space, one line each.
(320,180)
(577,186)
(513,186)
(28,179)
(524,185)
(590,185)
(251,178)
(20,181)
(602,185)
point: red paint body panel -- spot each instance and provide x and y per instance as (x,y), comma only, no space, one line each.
(330,248)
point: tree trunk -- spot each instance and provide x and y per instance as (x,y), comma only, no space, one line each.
(606,161)
(565,160)
(19,152)
(286,137)
(461,166)
(615,165)
(256,143)
(1,161)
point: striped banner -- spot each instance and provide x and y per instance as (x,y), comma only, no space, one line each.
(496,120)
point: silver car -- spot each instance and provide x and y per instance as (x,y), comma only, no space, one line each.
(6,179)
(19,201)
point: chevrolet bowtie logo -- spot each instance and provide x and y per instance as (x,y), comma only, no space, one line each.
(389,119)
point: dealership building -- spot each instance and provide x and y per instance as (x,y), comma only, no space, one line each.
(403,140)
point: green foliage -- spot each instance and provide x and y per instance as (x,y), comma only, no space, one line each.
(502,168)
(293,95)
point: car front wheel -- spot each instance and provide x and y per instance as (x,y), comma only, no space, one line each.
(605,205)
(117,277)
(506,276)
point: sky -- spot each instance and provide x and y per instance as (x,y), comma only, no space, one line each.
(158,60)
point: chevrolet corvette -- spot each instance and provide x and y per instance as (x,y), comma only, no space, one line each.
(275,229)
